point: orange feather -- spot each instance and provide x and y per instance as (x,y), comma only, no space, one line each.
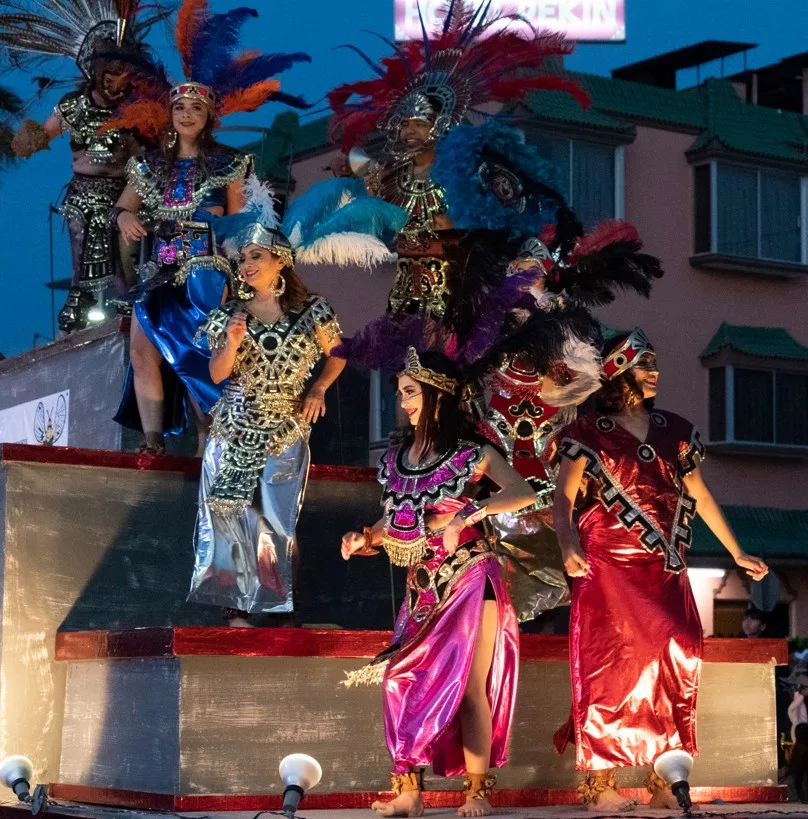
(190,16)
(249,99)
(147,117)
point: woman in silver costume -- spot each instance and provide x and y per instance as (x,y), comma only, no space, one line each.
(266,342)
(257,458)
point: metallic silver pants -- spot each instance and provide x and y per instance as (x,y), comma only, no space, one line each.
(246,562)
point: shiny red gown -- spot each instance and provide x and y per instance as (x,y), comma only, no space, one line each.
(635,633)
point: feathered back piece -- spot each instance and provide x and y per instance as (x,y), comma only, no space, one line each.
(474,58)
(208,46)
(334,222)
(592,266)
(32,30)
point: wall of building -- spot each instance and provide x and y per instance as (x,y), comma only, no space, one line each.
(687,307)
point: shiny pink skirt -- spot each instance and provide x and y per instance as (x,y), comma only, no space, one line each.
(426,677)
(635,653)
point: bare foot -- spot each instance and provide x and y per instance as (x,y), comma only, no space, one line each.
(240,622)
(610,801)
(407,803)
(475,807)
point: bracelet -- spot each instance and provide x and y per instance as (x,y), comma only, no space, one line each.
(472,513)
(367,533)
(114,214)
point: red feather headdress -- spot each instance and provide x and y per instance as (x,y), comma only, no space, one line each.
(475,58)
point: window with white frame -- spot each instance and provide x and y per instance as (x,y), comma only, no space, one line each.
(591,174)
(758,406)
(751,213)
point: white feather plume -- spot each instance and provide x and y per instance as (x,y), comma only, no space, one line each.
(259,197)
(358,249)
(583,361)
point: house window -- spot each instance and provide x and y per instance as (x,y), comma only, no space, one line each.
(748,213)
(591,176)
(767,407)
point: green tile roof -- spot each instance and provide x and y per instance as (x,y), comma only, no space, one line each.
(713,112)
(762,531)
(764,342)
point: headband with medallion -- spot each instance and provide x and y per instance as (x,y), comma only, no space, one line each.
(627,353)
(193,91)
(417,372)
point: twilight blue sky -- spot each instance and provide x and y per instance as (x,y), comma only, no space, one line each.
(779,27)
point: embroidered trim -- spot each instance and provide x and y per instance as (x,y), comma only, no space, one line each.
(405,544)
(149,183)
(618,501)
(692,455)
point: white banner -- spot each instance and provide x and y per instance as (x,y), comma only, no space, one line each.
(42,421)
(579,20)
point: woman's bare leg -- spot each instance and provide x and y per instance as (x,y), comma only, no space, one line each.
(475,709)
(146,360)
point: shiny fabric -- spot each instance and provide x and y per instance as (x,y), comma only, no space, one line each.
(523,426)
(185,279)
(436,633)
(635,633)
(245,562)
(170,317)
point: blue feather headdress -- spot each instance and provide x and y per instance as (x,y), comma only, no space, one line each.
(514,188)
(216,71)
(334,222)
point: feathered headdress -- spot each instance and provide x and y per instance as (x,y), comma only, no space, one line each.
(32,31)
(334,222)
(216,71)
(474,58)
(591,267)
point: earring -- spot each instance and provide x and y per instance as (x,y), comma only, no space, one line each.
(243,290)
(436,411)
(632,400)
(172,139)
(280,288)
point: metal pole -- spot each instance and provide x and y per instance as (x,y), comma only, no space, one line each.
(51,211)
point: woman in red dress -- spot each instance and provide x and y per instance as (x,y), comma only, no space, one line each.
(635,633)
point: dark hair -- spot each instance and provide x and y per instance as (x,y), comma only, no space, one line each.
(296,293)
(443,422)
(610,399)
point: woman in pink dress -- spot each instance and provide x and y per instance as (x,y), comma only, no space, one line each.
(632,474)
(449,679)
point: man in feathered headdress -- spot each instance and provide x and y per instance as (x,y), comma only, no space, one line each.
(419,100)
(95,35)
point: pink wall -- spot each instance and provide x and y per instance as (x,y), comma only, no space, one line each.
(685,310)
(687,307)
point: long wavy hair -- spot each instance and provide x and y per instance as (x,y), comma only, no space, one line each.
(443,422)
(296,293)
(611,398)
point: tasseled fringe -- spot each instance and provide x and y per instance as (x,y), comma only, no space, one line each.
(370,674)
(346,249)
(227,508)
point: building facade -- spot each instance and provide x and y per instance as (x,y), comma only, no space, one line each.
(718,189)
